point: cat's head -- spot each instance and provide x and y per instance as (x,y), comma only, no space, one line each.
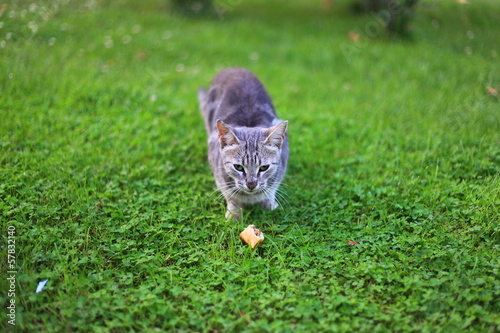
(251,156)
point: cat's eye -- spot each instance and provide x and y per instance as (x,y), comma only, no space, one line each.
(264,167)
(238,167)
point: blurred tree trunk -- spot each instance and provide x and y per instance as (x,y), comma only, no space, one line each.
(396,13)
(193,6)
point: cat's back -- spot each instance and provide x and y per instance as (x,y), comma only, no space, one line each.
(237,97)
(236,79)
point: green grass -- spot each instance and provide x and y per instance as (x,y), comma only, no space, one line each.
(394,144)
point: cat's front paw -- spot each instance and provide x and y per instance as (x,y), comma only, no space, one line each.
(233,211)
(269,205)
(233,215)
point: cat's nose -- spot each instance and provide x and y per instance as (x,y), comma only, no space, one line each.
(251,186)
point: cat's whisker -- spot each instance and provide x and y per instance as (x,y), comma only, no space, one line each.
(280,195)
(221,190)
(279,187)
(270,194)
(224,190)
(214,191)
(235,193)
(230,191)
(285,185)
(224,187)
(281,200)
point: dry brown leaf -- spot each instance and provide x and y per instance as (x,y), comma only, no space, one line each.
(354,36)
(327,4)
(141,55)
(492,91)
(3,8)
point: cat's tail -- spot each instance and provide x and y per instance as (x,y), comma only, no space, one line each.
(202,99)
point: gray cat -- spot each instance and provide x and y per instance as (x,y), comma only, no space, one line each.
(247,143)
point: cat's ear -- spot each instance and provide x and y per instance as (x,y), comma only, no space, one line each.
(276,135)
(226,135)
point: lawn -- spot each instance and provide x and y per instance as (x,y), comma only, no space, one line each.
(390,221)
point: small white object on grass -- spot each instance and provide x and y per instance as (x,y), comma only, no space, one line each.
(41,285)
